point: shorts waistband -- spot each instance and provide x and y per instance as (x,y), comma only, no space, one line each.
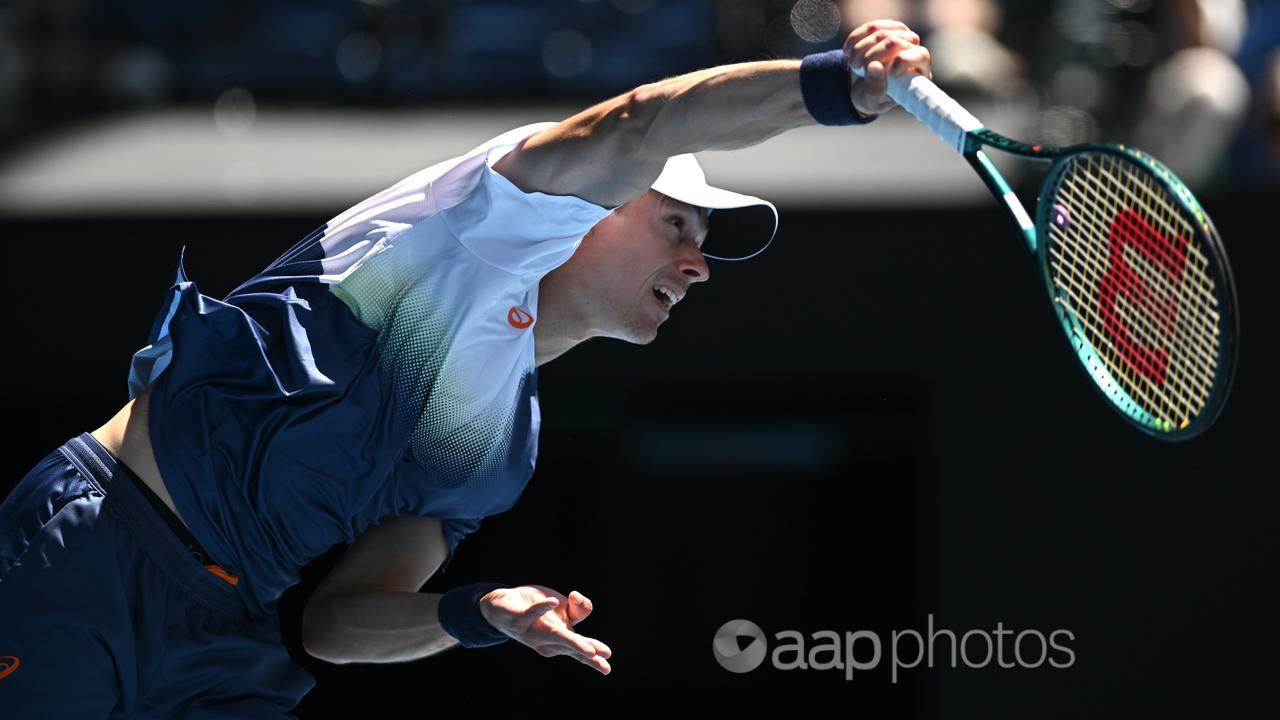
(170,517)
(102,470)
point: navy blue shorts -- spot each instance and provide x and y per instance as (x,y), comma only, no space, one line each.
(105,614)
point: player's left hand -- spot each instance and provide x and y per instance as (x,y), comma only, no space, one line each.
(541,618)
(884,48)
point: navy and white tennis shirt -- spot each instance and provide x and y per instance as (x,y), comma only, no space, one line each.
(382,366)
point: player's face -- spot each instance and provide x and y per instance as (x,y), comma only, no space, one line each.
(640,262)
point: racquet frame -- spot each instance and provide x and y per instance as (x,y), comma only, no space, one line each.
(967,136)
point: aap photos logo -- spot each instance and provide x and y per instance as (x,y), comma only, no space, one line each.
(740,646)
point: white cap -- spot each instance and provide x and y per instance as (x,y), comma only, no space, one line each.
(747,234)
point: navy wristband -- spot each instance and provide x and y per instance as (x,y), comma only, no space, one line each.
(459,615)
(824,84)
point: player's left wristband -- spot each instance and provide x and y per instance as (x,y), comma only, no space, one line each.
(824,84)
(459,615)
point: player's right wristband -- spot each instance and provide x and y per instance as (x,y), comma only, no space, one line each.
(459,615)
(824,84)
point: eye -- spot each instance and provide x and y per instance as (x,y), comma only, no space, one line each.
(677,221)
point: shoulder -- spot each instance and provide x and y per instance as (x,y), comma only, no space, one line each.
(522,231)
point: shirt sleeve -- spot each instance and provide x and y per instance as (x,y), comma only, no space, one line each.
(454,530)
(522,233)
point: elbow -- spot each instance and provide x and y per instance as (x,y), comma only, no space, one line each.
(641,103)
(317,633)
(631,122)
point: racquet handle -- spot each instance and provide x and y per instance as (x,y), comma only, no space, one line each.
(932,107)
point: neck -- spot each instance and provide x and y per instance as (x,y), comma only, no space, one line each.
(562,323)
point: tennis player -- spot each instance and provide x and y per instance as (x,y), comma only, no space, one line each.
(376,385)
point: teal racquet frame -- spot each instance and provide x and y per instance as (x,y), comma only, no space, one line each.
(965,134)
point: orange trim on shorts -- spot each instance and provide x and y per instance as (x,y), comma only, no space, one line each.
(222,574)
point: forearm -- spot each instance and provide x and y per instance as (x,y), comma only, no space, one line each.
(720,108)
(374,627)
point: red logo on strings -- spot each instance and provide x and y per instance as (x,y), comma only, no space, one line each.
(1131,230)
(8,664)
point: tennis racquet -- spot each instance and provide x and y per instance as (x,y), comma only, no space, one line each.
(1135,270)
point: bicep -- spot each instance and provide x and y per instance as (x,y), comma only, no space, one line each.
(596,155)
(398,554)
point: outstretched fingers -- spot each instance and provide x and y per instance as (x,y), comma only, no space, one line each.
(588,647)
(547,629)
(585,650)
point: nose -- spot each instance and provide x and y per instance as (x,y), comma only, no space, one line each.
(694,266)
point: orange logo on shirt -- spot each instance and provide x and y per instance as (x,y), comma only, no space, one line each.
(519,318)
(220,573)
(8,664)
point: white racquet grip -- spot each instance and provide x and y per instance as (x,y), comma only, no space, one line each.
(932,107)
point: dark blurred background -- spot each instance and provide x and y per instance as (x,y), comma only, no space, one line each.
(875,425)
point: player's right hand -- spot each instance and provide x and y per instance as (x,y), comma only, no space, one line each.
(881,48)
(541,618)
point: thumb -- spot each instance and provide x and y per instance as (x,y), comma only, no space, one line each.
(876,83)
(579,607)
(541,607)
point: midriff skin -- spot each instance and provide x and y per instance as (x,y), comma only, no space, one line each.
(127,438)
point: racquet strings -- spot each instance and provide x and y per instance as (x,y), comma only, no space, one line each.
(1125,260)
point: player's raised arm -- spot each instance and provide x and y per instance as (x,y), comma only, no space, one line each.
(613,151)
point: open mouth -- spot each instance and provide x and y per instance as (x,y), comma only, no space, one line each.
(665,296)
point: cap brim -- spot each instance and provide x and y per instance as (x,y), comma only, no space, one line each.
(740,232)
(740,227)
